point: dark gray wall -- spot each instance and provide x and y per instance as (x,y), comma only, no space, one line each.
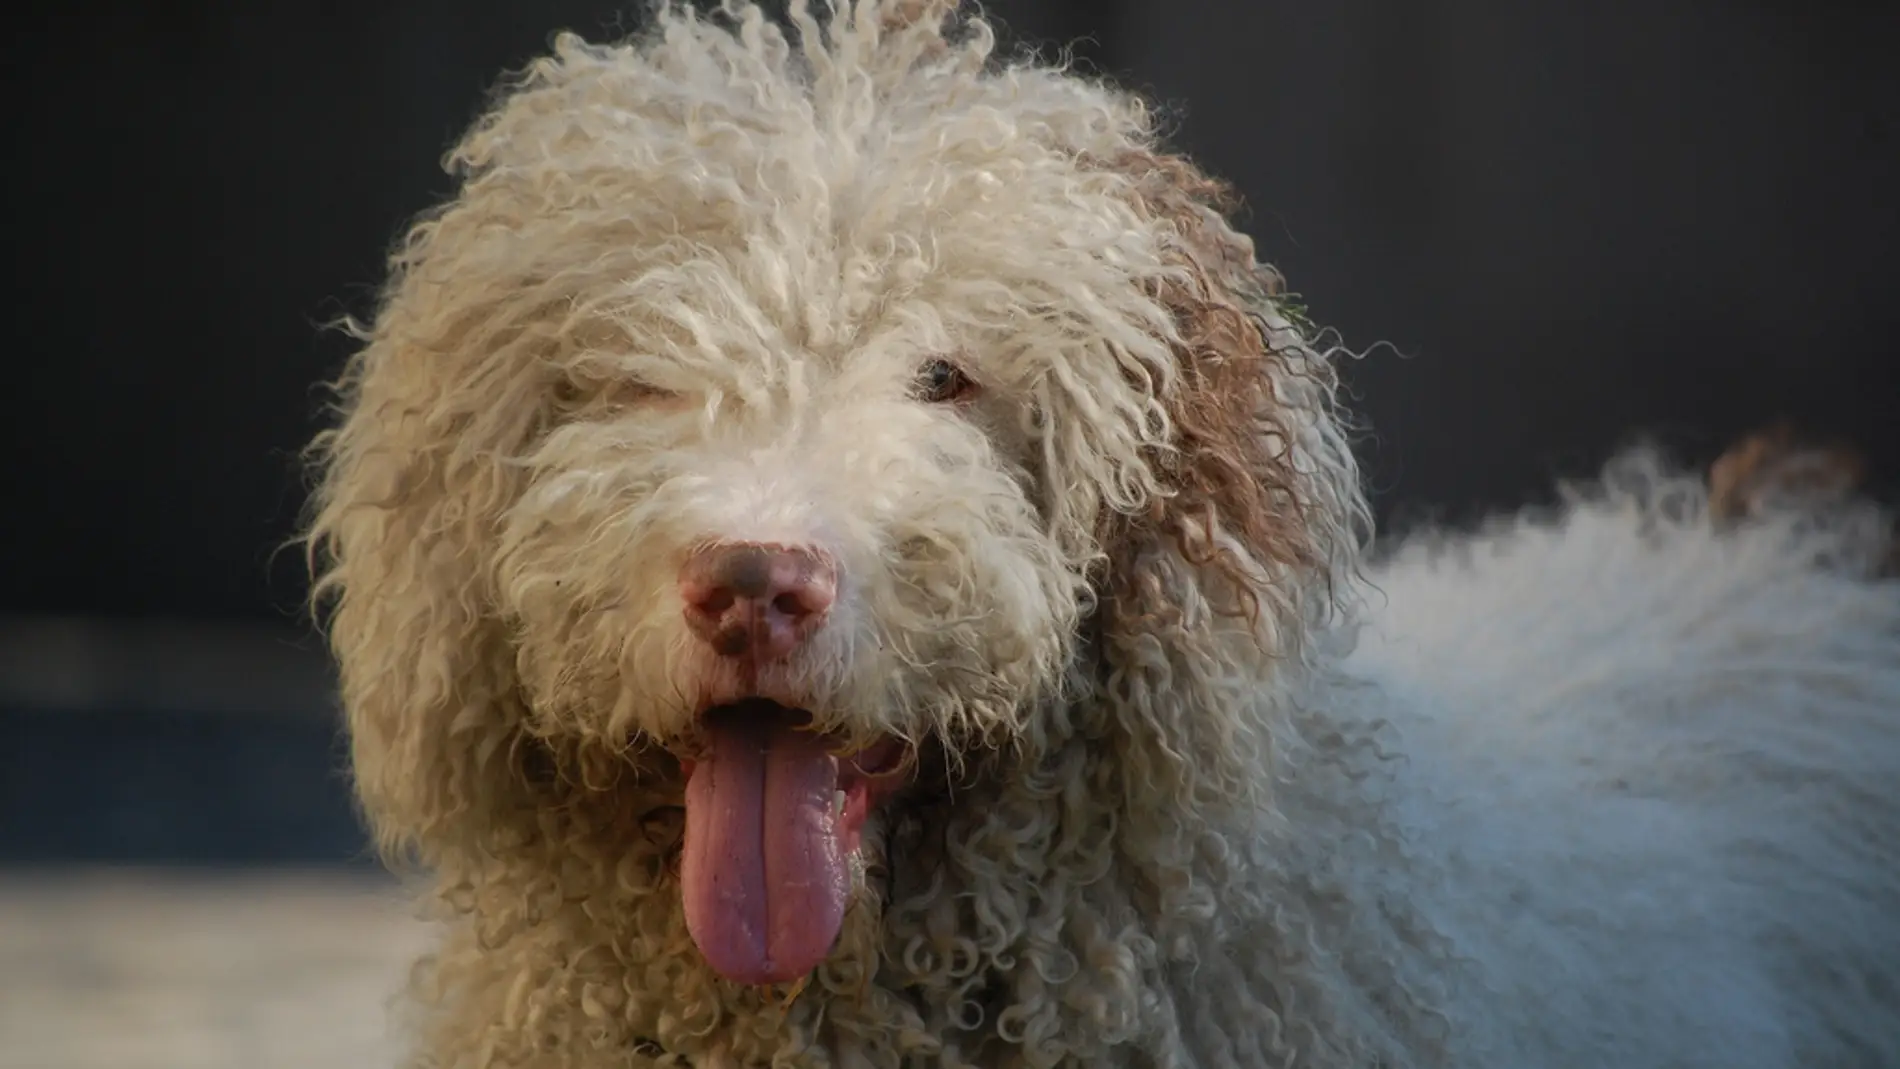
(1582,221)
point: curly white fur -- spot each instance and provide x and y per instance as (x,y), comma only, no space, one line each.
(1195,786)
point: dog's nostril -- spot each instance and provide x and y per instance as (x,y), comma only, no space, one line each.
(791,605)
(717,601)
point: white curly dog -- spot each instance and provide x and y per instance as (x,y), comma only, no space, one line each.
(841,556)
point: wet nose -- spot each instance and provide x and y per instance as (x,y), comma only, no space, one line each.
(756,601)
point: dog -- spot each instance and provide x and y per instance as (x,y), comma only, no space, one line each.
(840,554)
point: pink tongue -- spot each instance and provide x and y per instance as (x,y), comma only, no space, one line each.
(763,876)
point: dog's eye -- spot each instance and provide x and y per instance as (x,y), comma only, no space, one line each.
(591,393)
(940,382)
(634,391)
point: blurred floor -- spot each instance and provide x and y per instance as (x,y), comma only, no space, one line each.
(137,969)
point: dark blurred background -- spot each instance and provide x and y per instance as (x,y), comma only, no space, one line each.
(1573,224)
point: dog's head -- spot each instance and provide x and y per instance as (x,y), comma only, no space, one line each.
(778,419)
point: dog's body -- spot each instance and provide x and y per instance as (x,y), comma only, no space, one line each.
(843,558)
(1639,763)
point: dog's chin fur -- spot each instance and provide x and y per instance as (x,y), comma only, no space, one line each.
(1195,783)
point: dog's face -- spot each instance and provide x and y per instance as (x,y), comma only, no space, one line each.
(792,515)
(788,558)
(780,425)
(850,530)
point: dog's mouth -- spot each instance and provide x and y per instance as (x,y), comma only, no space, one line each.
(774,816)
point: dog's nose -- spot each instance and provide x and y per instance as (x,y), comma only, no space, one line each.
(755,601)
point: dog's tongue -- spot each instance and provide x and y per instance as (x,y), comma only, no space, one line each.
(763,874)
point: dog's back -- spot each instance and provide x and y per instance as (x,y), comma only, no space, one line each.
(1659,758)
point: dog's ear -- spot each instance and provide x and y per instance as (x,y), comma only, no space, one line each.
(409,482)
(1258,513)
(1236,496)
